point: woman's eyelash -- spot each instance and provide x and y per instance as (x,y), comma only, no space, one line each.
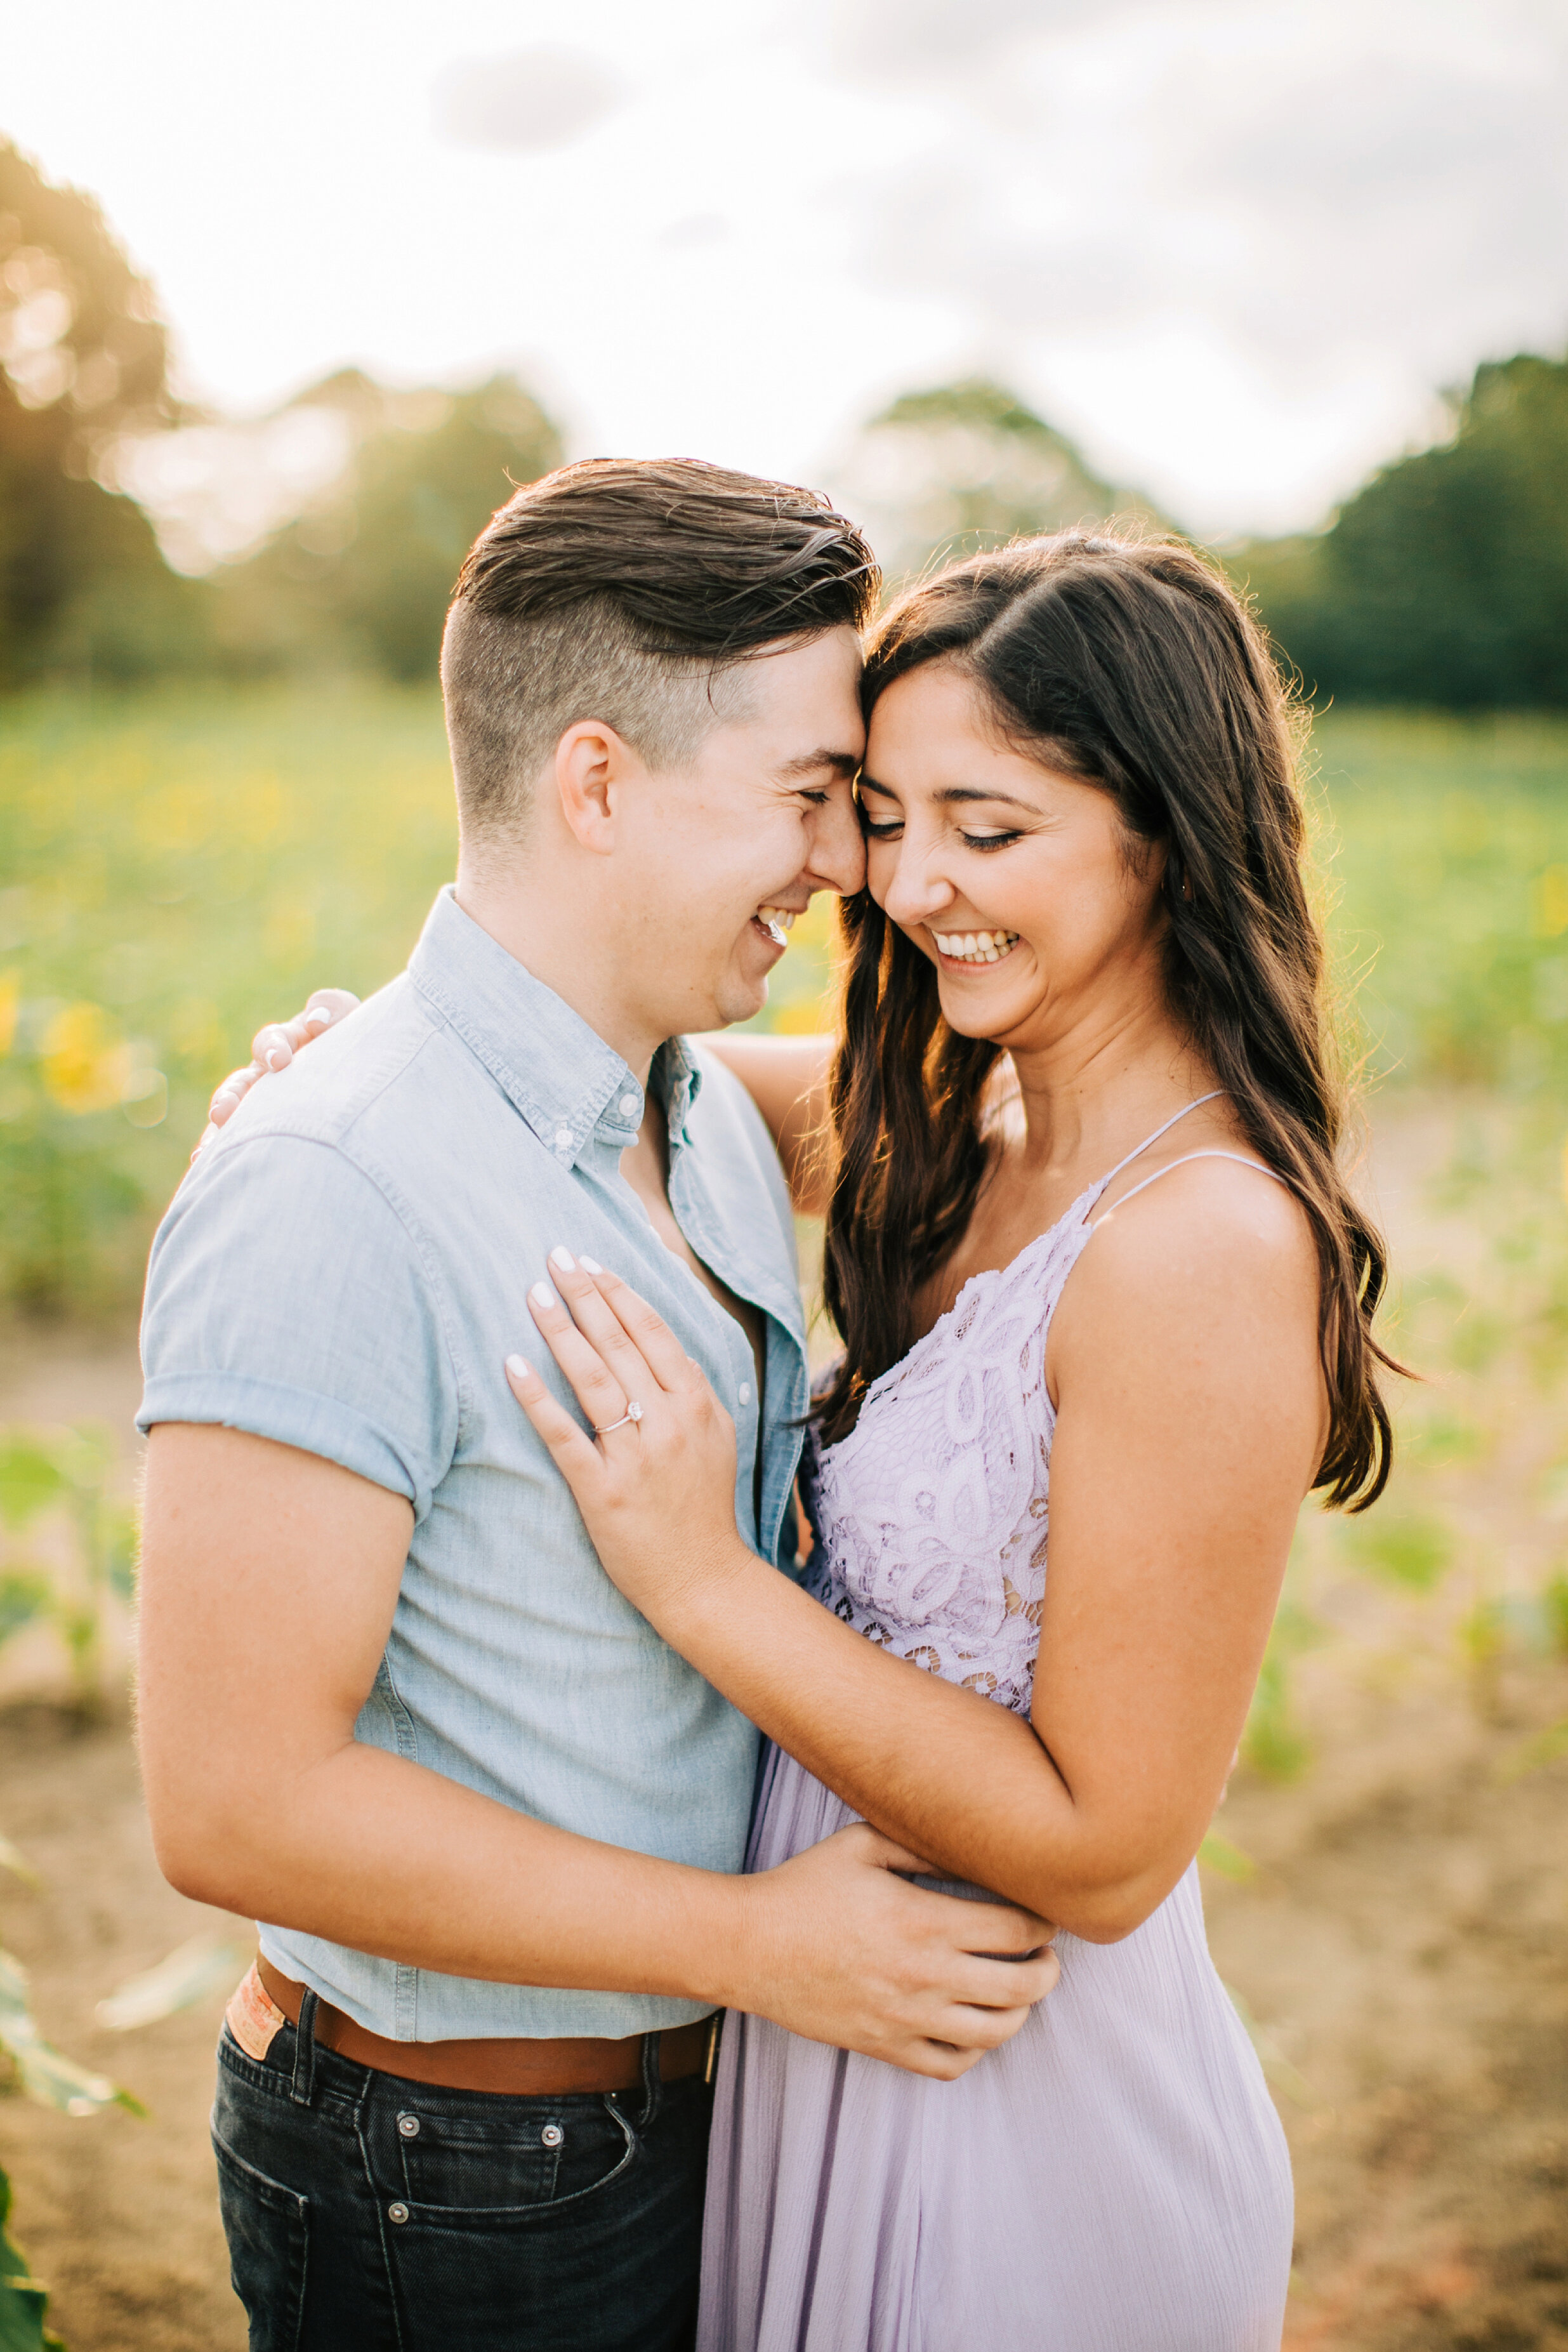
(888,827)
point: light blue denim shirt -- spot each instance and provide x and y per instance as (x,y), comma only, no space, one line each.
(346,1268)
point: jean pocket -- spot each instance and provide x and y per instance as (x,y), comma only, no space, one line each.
(268,2232)
(479,2163)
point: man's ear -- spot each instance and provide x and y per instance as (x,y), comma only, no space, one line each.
(593,767)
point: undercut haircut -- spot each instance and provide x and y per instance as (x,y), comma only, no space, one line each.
(631,592)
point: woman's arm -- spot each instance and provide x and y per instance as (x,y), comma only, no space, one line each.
(1190,1422)
(787,1078)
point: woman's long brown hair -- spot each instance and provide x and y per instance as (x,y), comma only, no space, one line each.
(1133,665)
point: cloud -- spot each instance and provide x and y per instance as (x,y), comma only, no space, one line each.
(1340,209)
(910,40)
(524,102)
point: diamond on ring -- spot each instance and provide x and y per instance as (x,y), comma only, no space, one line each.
(633,1412)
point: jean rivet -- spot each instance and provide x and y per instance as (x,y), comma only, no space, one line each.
(409,2126)
(552,2136)
(397,2212)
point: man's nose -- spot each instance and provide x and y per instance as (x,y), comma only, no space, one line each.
(837,860)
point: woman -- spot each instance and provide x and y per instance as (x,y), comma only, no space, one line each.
(1082,975)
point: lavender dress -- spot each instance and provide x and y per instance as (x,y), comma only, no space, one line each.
(1115,2179)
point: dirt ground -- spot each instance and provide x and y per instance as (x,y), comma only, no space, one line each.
(117,2216)
(1401,1947)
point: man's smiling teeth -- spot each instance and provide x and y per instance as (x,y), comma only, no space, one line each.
(976,947)
(784,917)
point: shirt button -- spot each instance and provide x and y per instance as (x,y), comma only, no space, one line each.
(397,2212)
(745,1392)
(552,2136)
(628,1106)
(409,2126)
(563,1138)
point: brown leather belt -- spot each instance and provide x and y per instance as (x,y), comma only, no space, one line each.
(526,2068)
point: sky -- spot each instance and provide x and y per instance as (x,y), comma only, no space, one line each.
(1235,248)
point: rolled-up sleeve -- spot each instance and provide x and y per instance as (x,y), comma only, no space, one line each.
(288,1296)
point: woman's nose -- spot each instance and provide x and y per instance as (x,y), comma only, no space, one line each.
(915,892)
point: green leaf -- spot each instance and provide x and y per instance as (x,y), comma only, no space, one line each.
(1555,1603)
(46,2073)
(1219,1854)
(25,1594)
(119,1531)
(23,2301)
(1533,1754)
(84,1454)
(188,1974)
(30,1479)
(1276,2066)
(1412,1548)
(12,1859)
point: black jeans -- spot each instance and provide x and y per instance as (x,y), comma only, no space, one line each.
(367,2214)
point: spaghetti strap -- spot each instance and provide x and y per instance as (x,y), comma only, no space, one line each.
(1138,1151)
(1241,1159)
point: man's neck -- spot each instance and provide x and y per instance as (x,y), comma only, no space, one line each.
(555,943)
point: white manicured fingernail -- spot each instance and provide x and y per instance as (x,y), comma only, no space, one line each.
(542,1295)
(517,1368)
(560,1255)
(278,1059)
(590,1266)
(319,1016)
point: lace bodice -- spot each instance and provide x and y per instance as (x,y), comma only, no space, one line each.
(931,1516)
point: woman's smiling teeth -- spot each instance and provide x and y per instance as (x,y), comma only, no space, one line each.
(975,947)
(783,916)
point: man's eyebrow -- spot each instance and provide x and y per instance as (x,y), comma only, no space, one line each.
(811,763)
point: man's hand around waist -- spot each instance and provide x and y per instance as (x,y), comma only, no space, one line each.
(841,1950)
(268,1582)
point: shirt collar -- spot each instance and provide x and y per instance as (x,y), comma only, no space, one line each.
(559,1074)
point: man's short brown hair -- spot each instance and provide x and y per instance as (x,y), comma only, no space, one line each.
(631,592)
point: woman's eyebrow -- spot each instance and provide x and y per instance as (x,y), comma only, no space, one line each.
(953,794)
(972,792)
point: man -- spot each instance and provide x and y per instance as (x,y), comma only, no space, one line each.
(389,1701)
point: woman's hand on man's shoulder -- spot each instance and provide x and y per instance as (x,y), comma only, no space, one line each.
(273,1048)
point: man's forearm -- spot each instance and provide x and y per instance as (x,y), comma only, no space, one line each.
(261,1799)
(370,1851)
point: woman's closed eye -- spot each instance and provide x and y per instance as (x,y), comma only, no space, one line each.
(890,828)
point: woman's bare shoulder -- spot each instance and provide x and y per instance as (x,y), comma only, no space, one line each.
(1219,1201)
(1213,1248)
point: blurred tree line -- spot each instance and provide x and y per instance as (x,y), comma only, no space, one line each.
(361,578)
(1444,582)
(364,575)
(83,362)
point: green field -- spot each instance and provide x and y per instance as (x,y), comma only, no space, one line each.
(175,867)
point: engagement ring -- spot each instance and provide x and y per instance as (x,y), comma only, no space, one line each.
(633,1412)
